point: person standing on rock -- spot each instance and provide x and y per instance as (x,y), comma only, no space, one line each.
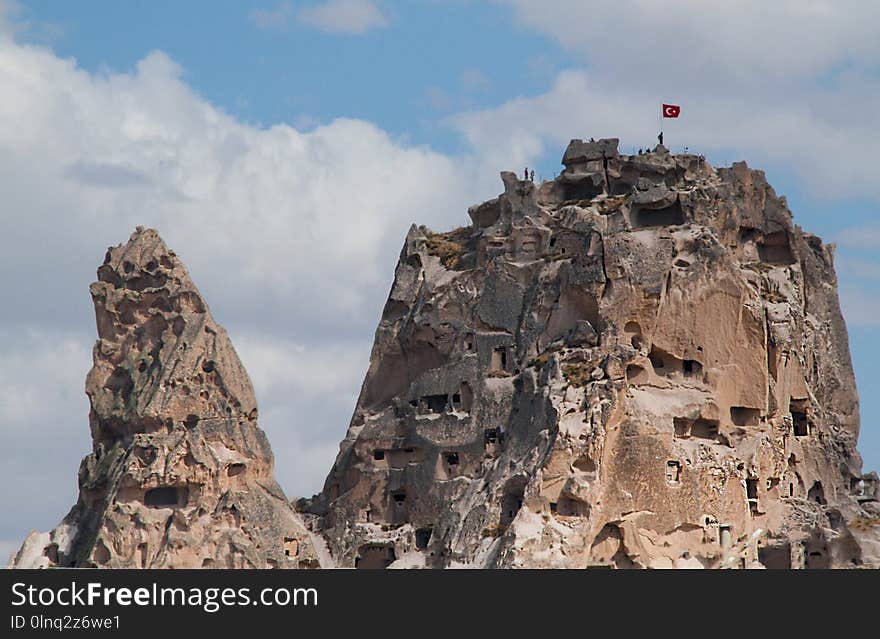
(526,173)
(660,137)
(532,175)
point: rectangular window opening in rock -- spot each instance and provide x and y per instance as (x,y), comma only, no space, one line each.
(435,404)
(235,469)
(423,537)
(498,363)
(725,535)
(745,416)
(374,557)
(291,547)
(692,368)
(752,495)
(800,425)
(166,497)
(667,216)
(776,557)
(774,248)
(752,488)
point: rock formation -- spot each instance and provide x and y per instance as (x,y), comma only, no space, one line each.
(180,475)
(641,363)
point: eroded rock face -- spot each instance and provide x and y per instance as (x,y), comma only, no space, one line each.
(180,475)
(639,364)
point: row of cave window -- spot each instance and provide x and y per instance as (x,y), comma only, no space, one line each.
(400,457)
(381,555)
(460,402)
(704,428)
(740,416)
(778,556)
(663,363)
(775,557)
(378,556)
(816,492)
(513,496)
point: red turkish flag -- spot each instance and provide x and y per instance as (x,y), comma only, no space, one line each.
(671,110)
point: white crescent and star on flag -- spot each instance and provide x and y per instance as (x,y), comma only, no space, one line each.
(671,110)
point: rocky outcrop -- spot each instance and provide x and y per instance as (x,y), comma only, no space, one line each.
(180,475)
(641,363)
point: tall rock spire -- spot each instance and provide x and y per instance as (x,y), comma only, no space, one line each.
(180,475)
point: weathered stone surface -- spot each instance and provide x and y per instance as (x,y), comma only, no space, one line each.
(180,475)
(579,151)
(639,364)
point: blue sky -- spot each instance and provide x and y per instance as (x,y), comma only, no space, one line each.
(283,148)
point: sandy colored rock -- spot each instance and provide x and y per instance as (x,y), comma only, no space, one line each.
(180,475)
(639,364)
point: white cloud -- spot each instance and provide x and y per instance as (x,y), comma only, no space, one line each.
(696,40)
(292,238)
(307,393)
(790,85)
(38,372)
(344,16)
(306,223)
(824,134)
(284,365)
(44,423)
